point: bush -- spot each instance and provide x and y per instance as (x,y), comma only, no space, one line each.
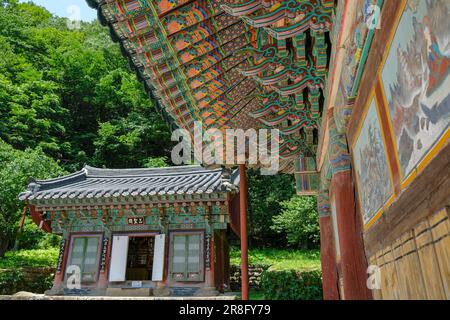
(292,285)
(26,279)
(9,280)
(300,221)
(34,238)
(27,270)
(47,258)
(279,259)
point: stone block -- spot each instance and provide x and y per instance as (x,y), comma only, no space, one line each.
(128,292)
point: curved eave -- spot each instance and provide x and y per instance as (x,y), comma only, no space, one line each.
(150,92)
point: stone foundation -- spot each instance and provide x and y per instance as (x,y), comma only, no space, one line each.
(32,296)
(122,292)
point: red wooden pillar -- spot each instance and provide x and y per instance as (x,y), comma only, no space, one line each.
(243,223)
(353,260)
(328,260)
(58,282)
(220,261)
(353,264)
(226,262)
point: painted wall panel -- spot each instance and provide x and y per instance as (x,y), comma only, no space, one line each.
(416,81)
(371,165)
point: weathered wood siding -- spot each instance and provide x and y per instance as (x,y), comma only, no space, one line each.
(409,236)
(417,264)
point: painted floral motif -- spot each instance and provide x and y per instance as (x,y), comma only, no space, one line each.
(164,6)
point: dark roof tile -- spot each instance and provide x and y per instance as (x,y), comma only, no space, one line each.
(104,183)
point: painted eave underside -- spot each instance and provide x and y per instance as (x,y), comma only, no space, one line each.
(95,183)
(202,60)
(184,57)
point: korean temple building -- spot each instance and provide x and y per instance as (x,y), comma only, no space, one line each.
(360,93)
(139,231)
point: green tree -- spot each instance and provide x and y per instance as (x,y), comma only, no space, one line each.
(67,97)
(67,91)
(300,221)
(15,169)
(32,237)
(265,193)
(159,162)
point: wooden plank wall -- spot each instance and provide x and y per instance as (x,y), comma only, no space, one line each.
(417,264)
(410,241)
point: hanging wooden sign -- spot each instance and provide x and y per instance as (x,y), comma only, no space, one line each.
(135,220)
(104,254)
(61,255)
(208,251)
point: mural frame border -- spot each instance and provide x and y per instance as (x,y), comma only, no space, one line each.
(405,181)
(367,225)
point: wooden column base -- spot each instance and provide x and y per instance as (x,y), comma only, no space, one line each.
(161,289)
(58,282)
(328,260)
(103,280)
(353,259)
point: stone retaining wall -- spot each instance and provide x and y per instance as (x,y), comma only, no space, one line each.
(36,280)
(31,296)
(254,276)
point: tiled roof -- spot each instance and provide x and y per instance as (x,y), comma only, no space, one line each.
(106,183)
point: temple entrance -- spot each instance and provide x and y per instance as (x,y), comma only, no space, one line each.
(140,258)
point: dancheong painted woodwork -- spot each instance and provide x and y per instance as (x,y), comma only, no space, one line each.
(152,230)
(231,64)
(359,91)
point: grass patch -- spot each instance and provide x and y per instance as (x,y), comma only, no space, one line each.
(253,295)
(256,295)
(279,259)
(30,258)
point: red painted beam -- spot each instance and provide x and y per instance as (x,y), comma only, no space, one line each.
(243,224)
(39,221)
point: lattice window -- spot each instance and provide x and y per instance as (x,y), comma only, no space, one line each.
(85,255)
(187,257)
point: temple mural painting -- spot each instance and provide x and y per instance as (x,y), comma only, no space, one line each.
(371,164)
(416,80)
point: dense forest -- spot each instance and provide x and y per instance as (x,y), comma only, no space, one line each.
(68,98)
(70,94)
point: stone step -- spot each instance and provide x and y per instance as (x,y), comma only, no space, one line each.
(183,291)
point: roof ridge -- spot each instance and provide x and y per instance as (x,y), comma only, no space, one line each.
(70,176)
(92,172)
(169,180)
(88,167)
